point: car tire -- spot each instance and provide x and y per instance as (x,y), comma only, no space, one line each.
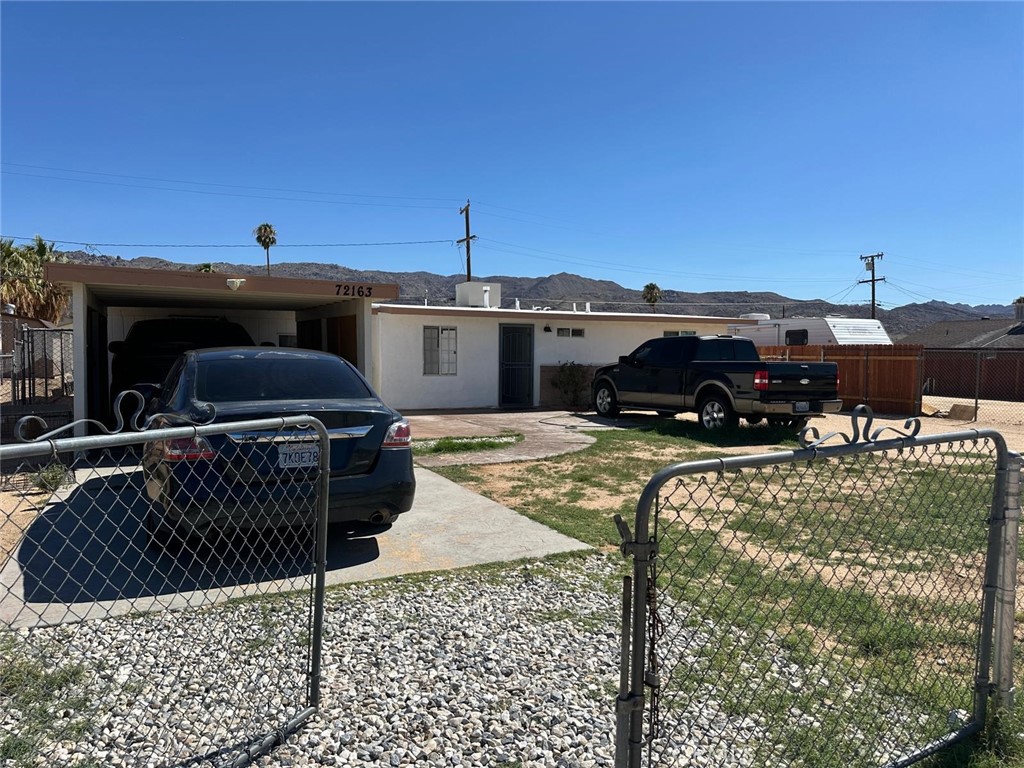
(715,413)
(605,402)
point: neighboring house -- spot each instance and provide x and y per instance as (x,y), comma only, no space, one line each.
(478,355)
(1001,333)
(980,359)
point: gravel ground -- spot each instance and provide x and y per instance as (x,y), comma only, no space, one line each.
(518,667)
(512,665)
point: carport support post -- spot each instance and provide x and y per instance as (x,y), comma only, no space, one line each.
(1006,588)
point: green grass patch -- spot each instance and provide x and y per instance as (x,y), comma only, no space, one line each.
(862,572)
(464,444)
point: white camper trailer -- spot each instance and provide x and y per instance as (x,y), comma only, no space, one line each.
(798,331)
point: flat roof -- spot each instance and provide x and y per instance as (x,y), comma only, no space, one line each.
(559,314)
(134,287)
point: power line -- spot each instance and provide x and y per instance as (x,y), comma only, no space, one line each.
(226,194)
(231,245)
(229,186)
(640,270)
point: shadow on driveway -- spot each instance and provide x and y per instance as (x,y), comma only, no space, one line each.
(92,546)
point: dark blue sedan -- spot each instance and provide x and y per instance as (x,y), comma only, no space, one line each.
(253,479)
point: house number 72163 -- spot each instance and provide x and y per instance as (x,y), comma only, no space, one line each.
(353,290)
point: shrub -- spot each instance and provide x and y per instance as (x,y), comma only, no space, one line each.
(51,477)
(572,381)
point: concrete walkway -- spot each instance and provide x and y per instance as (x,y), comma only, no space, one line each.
(545,433)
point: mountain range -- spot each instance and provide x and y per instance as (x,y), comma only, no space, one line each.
(560,291)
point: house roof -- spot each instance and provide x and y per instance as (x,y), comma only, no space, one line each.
(1002,333)
(508,314)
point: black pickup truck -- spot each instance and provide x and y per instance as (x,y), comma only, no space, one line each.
(720,378)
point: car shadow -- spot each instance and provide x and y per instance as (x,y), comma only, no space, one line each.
(741,435)
(93,546)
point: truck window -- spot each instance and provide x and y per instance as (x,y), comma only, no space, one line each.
(658,353)
(727,349)
(796,338)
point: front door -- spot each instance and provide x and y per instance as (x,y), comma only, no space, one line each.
(516,366)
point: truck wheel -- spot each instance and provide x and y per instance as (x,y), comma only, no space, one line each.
(716,413)
(604,400)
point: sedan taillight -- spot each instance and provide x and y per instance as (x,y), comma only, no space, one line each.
(399,435)
(761,381)
(186,449)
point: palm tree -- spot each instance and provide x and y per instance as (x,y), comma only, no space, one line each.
(266,236)
(652,295)
(22,281)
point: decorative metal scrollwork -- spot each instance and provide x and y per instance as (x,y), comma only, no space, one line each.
(810,437)
(135,422)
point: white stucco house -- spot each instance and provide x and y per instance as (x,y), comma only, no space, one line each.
(480,355)
(476,354)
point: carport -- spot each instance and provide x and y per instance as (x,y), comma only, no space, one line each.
(313,314)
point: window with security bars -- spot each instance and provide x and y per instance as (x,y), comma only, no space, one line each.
(440,344)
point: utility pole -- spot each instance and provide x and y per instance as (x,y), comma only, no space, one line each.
(467,240)
(869,264)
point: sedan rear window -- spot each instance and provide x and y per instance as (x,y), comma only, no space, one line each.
(265,378)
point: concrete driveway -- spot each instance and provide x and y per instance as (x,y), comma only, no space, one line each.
(87,554)
(452,527)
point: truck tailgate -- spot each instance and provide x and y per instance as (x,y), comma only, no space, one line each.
(802,381)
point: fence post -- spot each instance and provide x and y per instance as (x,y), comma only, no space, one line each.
(977,382)
(1006,588)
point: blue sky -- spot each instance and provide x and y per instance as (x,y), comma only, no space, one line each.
(702,146)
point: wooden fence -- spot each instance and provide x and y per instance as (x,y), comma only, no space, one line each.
(886,377)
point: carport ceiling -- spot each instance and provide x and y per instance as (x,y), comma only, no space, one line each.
(185,289)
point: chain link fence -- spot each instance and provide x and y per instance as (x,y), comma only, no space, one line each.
(984,385)
(847,605)
(161,594)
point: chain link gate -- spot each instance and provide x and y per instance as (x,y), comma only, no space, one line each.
(847,605)
(135,633)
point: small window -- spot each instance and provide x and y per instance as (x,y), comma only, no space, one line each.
(577,333)
(670,334)
(796,338)
(563,332)
(440,344)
